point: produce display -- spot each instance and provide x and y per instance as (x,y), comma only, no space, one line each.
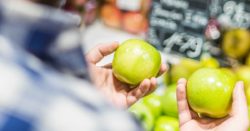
(130,16)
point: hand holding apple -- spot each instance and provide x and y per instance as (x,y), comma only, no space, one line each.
(209,92)
(236,121)
(119,93)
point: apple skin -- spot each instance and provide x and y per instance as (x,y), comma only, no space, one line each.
(153,102)
(248,60)
(143,114)
(210,62)
(209,92)
(183,69)
(111,15)
(136,60)
(169,101)
(243,74)
(134,22)
(166,123)
(236,43)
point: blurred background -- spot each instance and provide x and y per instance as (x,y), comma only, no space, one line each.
(190,34)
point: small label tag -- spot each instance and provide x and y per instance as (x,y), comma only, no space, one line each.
(129,5)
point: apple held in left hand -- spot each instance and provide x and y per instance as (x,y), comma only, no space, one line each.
(136,60)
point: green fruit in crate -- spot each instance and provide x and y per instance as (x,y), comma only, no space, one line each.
(177,72)
(248,60)
(166,78)
(243,73)
(169,101)
(190,64)
(166,123)
(136,60)
(247,92)
(229,72)
(210,62)
(236,43)
(143,114)
(209,92)
(153,102)
(183,69)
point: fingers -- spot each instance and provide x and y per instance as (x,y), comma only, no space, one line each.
(163,68)
(152,86)
(183,108)
(135,94)
(239,105)
(98,53)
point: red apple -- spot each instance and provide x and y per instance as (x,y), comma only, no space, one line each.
(134,22)
(111,15)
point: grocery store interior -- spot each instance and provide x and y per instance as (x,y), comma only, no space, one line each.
(124,65)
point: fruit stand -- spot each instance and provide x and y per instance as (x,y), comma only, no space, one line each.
(206,42)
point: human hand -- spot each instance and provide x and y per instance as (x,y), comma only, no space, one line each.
(119,93)
(237,120)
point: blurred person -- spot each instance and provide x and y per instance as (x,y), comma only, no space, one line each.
(36,95)
(236,121)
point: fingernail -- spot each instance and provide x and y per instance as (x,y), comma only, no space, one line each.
(240,84)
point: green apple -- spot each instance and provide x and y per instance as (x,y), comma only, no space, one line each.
(190,64)
(248,60)
(210,62)
(153,102)
(166,78)
(143,114)
(169,101)
(183,69)
(243,73)
(166,123)
(236,43)
(135,60)
(209,92)
(178,71)
(229,71)
(247,92)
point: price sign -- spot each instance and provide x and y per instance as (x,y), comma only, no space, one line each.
(235,13)
(177,27)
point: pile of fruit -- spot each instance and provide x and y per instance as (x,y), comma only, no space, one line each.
(129,16)
(158,111)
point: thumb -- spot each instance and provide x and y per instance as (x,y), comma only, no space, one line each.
(239,105)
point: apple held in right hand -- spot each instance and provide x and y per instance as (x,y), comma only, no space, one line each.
(209,92)
(136,60)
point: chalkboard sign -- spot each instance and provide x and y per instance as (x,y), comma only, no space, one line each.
(178,26)
(235,13)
